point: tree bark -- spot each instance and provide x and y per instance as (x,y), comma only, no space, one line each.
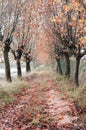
(67,73)
(19,73)
(78,58)
(28,69)
(58,67)
(7,66)
(76,78)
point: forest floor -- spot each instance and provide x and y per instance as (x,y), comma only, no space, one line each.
(40,105)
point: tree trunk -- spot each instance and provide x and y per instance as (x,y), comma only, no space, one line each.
(67,73)
(58,67)
(28,69)
(19,73)
(76,78)
(7,66)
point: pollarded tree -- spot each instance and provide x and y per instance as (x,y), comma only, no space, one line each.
(17,56)
(55,29)
(22,36)
(8,21)
(75,32)
(77,23)
(27,57)
(68,25)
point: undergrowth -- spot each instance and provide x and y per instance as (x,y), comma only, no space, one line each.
(75,94)
(8,90)
(66,88)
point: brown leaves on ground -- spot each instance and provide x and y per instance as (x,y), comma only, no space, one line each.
(39,107)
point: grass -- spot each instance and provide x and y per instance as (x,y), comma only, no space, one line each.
(76,94)
(79,99)
(8,90)
(66,87)
(45,67)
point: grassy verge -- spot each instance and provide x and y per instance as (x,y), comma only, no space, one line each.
(8,90)
(76,94)
(64,85)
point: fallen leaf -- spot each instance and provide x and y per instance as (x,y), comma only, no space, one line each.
(9,128)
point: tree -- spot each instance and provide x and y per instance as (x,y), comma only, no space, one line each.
(68,29)
(8,23)
(21,46)
(73,27)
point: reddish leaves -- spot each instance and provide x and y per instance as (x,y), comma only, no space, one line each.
(38,108)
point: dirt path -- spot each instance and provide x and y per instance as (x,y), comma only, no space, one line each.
(61,110)
(39,107)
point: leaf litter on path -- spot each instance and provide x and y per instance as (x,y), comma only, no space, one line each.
(39,107)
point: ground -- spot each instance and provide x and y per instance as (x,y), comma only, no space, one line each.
(40,105)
